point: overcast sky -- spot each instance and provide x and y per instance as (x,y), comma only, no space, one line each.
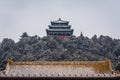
(101,17)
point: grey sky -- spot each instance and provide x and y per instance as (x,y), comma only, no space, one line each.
(101,17)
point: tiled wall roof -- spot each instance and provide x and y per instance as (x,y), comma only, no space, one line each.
(58,69)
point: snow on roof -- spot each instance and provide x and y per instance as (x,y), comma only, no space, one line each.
(59,21)
(57,69)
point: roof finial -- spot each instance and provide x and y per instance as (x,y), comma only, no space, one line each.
(9,60)
(59,19)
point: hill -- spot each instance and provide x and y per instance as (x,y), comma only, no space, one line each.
(54,48)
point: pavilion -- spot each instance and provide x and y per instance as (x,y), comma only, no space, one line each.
(60,28)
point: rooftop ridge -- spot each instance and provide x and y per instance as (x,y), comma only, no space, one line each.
(56,62)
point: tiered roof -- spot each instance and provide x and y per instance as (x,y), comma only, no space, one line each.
(59,27)
(59,69)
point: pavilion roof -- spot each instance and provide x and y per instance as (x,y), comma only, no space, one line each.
(59,21)
(59,25)
(59,29)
